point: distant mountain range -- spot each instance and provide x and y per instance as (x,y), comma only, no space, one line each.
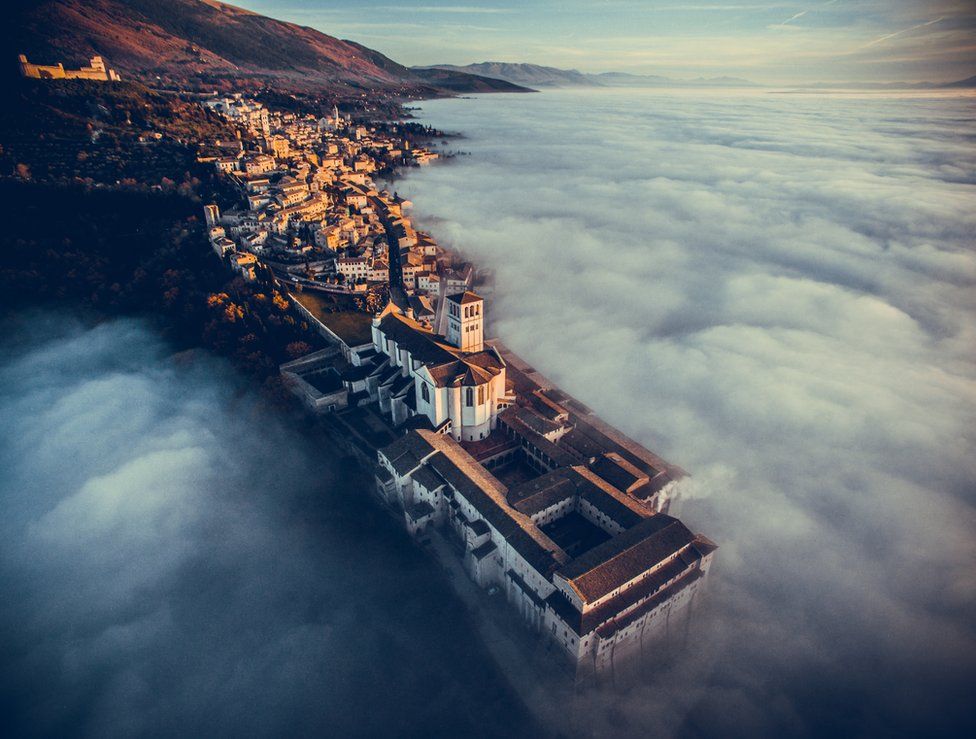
(203,42)
(958,84)
(528,75)
(651,80)
(534,75)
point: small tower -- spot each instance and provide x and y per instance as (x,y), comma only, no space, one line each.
(212,214)
(466,321)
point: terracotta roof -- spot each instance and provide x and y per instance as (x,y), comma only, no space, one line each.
(541,493)
(607,499)
(483,491)
(622,558)
(613,440)
(422,343)
(444,374)
(464,298)
(619,472)
(650,590)
(474,376)
(488,359)
(558,456)
(609,629)
(405,454)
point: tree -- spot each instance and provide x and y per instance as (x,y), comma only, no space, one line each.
(298,349)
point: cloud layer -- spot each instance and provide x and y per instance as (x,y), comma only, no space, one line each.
(175,562)
(776,291)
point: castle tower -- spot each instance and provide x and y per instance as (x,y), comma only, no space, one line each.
(466,321)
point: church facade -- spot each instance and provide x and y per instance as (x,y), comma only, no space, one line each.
(456,383)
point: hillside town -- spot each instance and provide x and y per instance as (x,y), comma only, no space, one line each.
(310,210)
(479,454)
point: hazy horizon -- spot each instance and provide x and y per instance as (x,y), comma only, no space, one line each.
(776,42)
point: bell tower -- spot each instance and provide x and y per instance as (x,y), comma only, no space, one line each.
(466,321)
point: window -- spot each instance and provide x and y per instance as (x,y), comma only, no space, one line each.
(481,395)
(425,393)
(469,397)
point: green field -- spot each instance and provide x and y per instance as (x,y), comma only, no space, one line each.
(353,327)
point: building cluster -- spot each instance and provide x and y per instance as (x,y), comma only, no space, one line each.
(310,208)
(96,70)
(546,504)
(578,535)
(252,115)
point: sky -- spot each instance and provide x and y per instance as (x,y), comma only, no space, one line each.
(771,42)
(778,293)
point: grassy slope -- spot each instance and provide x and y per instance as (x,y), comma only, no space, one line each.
(353,327)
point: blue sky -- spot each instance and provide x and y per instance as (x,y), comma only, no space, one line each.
(767,41)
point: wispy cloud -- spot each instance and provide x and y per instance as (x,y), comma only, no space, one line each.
(887,36)
(452,9)
(796,16)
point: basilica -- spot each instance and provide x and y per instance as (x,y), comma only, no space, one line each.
(456,383)
(559,511)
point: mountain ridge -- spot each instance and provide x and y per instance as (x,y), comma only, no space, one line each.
(521,73)
(205,43)
(537,75)
(542,76)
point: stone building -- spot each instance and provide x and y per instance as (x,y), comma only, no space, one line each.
(96,70)
(587,566)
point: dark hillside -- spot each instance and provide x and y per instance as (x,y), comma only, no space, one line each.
(199,43)
(104,133)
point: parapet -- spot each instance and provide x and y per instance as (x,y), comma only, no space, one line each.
(96,70)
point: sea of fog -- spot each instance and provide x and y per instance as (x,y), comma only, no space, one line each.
(778,292)
(775,291)
(177,561)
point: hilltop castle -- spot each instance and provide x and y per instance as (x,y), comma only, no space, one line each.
(95,71)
